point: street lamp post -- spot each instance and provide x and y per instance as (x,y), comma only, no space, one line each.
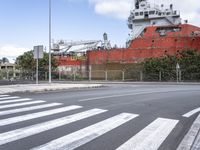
(49,41)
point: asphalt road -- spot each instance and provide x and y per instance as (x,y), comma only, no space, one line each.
(118,116)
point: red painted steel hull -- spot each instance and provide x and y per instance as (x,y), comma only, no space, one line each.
(150,45)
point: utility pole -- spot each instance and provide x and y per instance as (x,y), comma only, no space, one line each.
(49,41)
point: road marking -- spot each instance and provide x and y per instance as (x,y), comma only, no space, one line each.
(21,104)
(13,111)
(41,127)
(111,96)
(12,120)
(121,95)
(189,138)
(128,94)
(151,137)
(13,101)
(87,134)
(4,95)
(196,145)
(189,114)
(4,98)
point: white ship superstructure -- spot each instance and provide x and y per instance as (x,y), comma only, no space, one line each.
(146,14)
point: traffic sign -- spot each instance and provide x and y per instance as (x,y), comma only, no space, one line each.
(38,52)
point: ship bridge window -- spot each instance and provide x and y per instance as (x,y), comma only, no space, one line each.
(136,14)
(146,14)
(141,13)
(175,12)
(168,13)
(159,13)
(151,12)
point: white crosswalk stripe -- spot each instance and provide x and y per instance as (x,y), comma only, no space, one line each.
(151,137)
(21,104)
(41,127)
(14,101)
(4,95)
(192,112)
(13,111)
(191,137)
(37,115)
(4,98)
(87,134)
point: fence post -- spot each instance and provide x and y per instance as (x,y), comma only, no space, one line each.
(45,76)
(180,75)
(106,75)
(7,74)
(141,76)
(74,76)
(177,75)
(122,75)
(177,72)
(90,73)
(160,76)
(59,74)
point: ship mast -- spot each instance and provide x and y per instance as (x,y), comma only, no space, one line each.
(137,2)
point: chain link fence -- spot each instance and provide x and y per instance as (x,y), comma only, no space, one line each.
(105,75)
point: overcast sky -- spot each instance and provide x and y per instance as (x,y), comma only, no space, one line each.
(24,23)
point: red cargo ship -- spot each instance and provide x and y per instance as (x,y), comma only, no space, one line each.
(156,31)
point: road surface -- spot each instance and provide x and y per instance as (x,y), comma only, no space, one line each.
(118,116)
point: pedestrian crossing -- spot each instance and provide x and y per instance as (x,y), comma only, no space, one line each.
(13,111)
(16,100)
(4,95)
(149,138)
(4,98)
(21,104)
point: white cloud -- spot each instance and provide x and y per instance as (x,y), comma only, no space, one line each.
(120,9)
(115,8)
(11,51)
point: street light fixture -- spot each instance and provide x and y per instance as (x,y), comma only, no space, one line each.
(49,41)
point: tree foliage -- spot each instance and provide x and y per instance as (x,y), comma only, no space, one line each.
(28,63)
(189,62)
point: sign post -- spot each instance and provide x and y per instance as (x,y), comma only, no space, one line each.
(177,72)
(38,54)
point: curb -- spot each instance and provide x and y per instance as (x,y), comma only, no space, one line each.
(13,89)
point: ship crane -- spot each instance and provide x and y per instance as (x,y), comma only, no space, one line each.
(64,47)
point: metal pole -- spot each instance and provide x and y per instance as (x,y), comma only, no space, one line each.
(106,75)
(180,75)
(90,73)
(122,75)
(177,75)
(160,76)
(177,72)
(37,64)
(74,76)
(141,76)
(49,41)
(37,70)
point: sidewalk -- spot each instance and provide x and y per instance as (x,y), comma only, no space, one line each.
(43,87)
